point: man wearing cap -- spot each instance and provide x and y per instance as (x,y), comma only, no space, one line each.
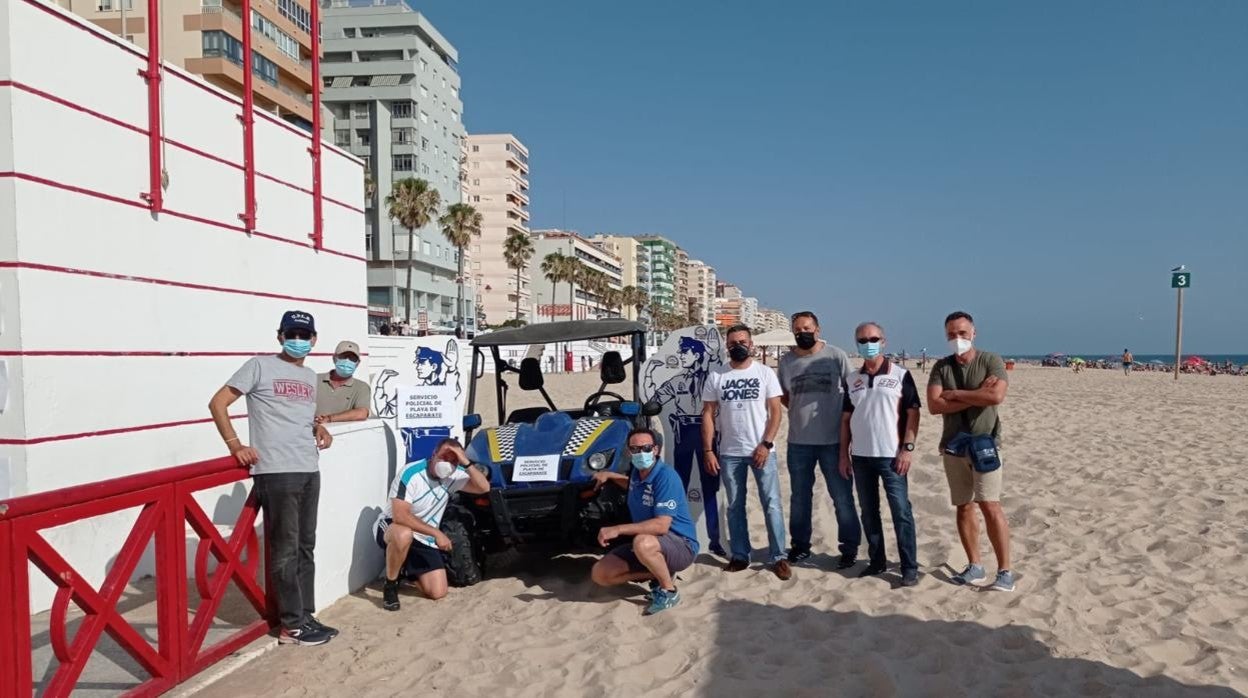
(339,396)
(283,458)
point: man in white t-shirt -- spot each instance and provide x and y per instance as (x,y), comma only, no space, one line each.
(741,402)
(408,526)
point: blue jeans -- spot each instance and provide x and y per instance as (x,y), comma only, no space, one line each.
(869,472)
(801,460)
(768,480)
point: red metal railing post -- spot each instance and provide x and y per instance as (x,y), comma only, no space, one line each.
(155,194)
(248,216)
(171,603)
(8,614)
(318,222)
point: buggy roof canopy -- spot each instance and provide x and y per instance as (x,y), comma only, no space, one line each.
(567,331)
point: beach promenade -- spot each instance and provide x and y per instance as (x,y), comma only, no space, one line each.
(1127,501)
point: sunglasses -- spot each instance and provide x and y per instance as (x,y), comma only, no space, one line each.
(865,340)
(647,448)
(297,334)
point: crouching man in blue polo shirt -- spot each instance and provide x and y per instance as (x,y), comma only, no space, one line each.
(664,541)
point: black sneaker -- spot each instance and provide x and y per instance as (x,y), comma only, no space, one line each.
(910,578)
(307,635)
(390,595)
(797,555)
(333,632)
(872,570)
(846,562)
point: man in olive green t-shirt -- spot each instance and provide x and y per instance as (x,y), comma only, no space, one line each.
(970,405)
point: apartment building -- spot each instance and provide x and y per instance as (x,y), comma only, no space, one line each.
(496,183)
(392,83)
(634,264)
(664,271)
(205,37)
(701,284)
(769,319)
(553,300)
(733,307)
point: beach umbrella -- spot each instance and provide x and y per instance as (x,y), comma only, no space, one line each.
(1194,361)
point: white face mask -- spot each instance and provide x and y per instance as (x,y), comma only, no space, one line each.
(960,346)
(442,469)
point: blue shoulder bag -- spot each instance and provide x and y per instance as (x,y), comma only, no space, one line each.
(980,449)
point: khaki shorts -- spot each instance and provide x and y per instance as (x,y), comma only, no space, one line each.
(968,485)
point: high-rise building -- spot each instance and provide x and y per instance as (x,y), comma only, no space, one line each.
(553,300)
(664,271)
(634,264)
(496,183)
(206,38)
(701,292)
(768,320)
(732,307)
(684,305)
(392,83)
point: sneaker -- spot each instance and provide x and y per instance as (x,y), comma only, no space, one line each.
(910,578)
(797,555)
(718,550)
(972,573)
(846,562)
(736,565)
(653,587)
(332,632)
(390,595)
(662,600)
(873,570)
(782,570)
(1004,582)
(307,635)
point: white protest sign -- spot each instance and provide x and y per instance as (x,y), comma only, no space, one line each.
(536,469)
(427,406)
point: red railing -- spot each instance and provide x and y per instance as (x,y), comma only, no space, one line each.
(167,508)
(156,191)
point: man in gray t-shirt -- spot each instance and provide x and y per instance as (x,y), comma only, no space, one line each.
(813,376)
(283,457)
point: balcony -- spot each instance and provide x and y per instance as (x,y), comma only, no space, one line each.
(226,19)
(226,74)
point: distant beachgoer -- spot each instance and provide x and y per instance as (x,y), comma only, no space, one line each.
(284,461)
(812,377)
(972,410)
(664,541)
(742,402)
(339,396)
(1127,361)
(878,430)
(408,528)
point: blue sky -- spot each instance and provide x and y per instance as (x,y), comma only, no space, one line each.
(1041,165)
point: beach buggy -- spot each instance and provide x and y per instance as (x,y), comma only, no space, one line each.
(541,460)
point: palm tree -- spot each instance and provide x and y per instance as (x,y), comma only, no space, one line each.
(370,189)
(553,266)
(459,224)
(594,282)
(412,203)
(518,250)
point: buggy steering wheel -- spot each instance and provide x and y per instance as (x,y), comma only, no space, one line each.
(594,399)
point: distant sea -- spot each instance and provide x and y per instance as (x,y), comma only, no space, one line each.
(1236,359)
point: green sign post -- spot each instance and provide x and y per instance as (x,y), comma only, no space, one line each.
(1179,279)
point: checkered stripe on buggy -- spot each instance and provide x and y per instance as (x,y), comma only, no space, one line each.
(505,442)
(585,430)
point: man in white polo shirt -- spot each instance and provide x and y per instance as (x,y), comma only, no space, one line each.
(878,429)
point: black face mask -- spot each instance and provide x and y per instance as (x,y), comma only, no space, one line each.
(805,340)
(738,352)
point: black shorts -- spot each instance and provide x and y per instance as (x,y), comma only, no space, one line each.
(420,557)
(676,551)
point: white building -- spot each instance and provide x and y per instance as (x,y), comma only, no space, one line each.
(553,299)
(497,185)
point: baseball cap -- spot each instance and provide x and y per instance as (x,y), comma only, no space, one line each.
(346,347)
(297,320)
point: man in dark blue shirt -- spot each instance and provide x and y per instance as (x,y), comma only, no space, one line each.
(664,540)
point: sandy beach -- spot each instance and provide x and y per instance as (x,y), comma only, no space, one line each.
(1127,501)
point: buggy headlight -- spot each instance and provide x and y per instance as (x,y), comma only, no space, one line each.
(598,461)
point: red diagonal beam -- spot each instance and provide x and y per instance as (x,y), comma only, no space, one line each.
(230,568)
(101,606)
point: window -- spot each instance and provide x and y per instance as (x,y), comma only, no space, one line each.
(342,138)
(424,118)
(424,91)
(378,295)
(424,169)
(290,9)
(426,248)
(424,144)
(401,163)
(402,135)
(359,110)
(476,148)
(476,199)
(424,65)
(285,42)
(476,182)
(348,32)
(454,116)
(401,110)
(218,44)
(365,137)
(455,91)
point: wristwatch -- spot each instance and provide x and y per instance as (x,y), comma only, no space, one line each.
(769,445)
(909,445)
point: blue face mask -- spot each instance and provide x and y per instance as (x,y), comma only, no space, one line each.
(868,350)
(644,461)
(297,348)
(345,367)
